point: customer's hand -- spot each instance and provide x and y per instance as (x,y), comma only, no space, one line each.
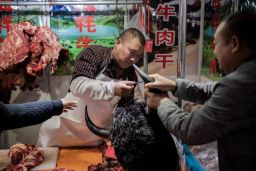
(68,104)
(161,83)
(154,100)
(123,88)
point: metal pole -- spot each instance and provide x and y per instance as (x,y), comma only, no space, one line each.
(182,41)
(145,59)
(35,3)
(201,39)
(182,38)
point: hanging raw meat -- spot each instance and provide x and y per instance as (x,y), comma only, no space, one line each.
(15,49)
(27,51)
(45,50)
(38,46)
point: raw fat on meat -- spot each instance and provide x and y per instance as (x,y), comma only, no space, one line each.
(23,157)
(37,45)
(14,49)
(45,49)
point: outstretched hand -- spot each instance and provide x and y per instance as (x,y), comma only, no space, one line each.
(68,104)
(154,100)
(161,83)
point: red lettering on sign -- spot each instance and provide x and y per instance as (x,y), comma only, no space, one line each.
(165,36)
(85,21)
(83,42)
(166,11)
(164,59)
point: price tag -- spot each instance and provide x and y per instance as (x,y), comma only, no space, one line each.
(149,46)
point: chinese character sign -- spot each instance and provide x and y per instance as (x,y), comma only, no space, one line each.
(148,46)
(164,59)
(165,36)
(79,28)
(87,22)
(76,26)
(83,42)
(166,11)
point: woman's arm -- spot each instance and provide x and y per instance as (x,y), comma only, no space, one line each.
(31,113)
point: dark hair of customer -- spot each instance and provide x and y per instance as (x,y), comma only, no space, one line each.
(243,25)
(140,140)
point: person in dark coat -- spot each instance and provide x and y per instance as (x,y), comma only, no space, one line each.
(228,114)
(31,113)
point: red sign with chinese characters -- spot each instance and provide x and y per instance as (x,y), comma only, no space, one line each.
(166,11)
(149,46)
(164,59)
(85,22)
(83,42)
(165,36)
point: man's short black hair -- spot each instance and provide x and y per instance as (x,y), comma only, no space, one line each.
(140,140)
(133,33)
(243,25)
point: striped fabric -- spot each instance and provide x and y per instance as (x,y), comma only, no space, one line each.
(92,60)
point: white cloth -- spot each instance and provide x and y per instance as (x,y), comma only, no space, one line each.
(70,129)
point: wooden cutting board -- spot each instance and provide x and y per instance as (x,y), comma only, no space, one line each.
(50,154)
(4,159)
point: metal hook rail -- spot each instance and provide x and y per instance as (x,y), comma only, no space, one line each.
(51,3)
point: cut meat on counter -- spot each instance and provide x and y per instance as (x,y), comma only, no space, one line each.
(23,157)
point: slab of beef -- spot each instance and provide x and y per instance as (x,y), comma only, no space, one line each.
(23,157)
(29,49)
(38,45)
(14,49)
(45,50)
